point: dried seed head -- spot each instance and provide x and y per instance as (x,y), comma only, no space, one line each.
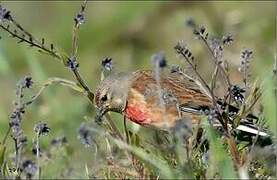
(29,168)
(180,47)
(84,135)
(28,82)
(36,150)
(72,63)
(227,40)
(202,30)
(4,14)
(237,93)
(159,59)
(201,33)
(79,19)
(212,116)
(16,116)
(25,82)
(246,54)
(52,47)
(41,128)
(59,141)
(15,124)
(182,129)
(190,22)
(183,51)
(107,64)
(21,141)
(216,46)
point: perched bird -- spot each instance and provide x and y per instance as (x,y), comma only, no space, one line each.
(158,102)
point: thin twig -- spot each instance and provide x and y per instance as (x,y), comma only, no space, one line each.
(216,62)
(19,96)
(89,93)
(52,51)
(76,28)
(245,110)
(31,43)
(108,117)
(213,81)
(234,151)
(51,81)
(231,145)
(37,155)
(74,49)
(198,75)
(203,82)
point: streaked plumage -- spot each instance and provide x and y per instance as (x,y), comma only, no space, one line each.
(146,101)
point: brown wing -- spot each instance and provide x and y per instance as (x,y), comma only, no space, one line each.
(162,104)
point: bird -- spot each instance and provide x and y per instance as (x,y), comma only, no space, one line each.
(157,101)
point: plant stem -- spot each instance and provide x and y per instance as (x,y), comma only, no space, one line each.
(37,155)
(6,136)
(216,62)
(31,43)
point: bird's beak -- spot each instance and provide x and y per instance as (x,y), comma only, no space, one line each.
(100,112)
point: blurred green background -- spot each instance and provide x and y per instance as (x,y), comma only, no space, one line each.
(129,32)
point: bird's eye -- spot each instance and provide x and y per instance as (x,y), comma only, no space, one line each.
(104,98)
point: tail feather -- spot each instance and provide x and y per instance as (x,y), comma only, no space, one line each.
(252,130)
(246,125)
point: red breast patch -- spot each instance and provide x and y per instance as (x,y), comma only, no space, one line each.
(137,113)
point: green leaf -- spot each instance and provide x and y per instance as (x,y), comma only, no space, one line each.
(220,161)
(3,167)
(5,170)
(269,101)
(160,164)
(2,154)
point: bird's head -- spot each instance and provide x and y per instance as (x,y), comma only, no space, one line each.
(111,94)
